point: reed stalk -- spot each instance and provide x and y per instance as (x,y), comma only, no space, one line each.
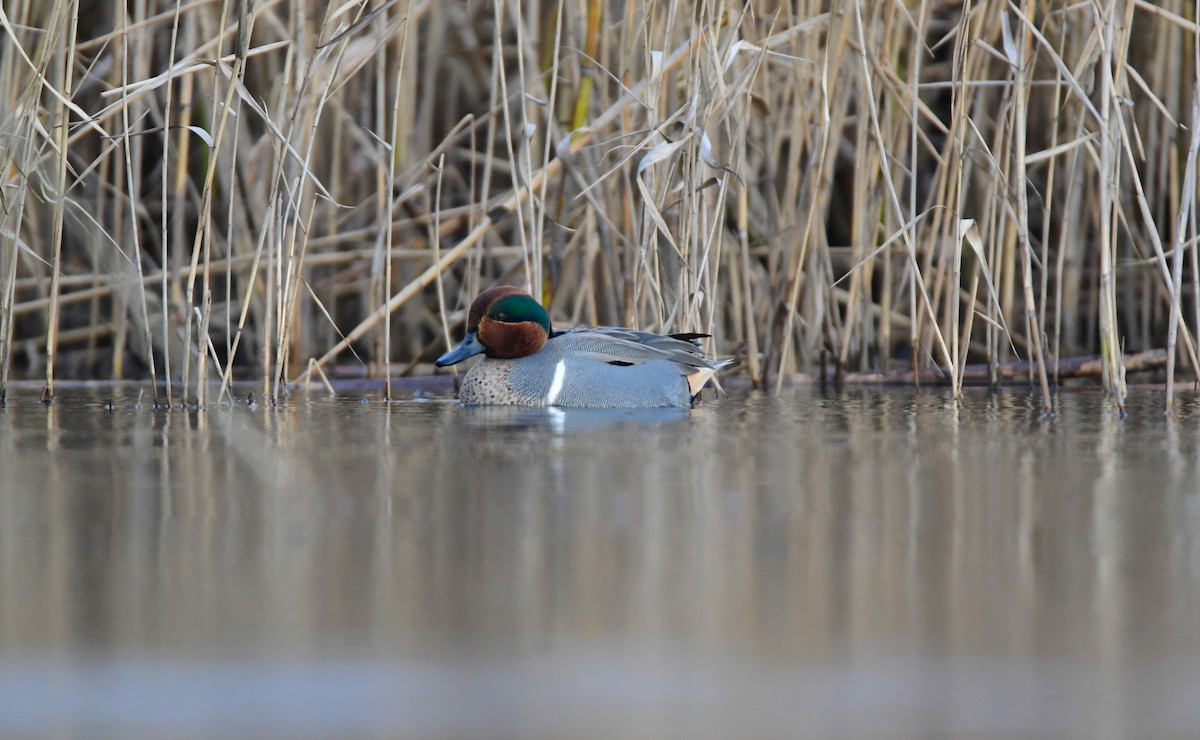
(1018,57)
(64,14)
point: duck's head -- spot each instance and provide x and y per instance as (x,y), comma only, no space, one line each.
(504,323)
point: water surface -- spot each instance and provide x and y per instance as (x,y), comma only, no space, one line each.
(873,562)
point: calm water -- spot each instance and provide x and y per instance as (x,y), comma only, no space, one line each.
(864,564)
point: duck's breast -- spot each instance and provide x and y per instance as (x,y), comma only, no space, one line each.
(525,381)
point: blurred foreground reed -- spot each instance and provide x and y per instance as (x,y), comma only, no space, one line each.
(219,189)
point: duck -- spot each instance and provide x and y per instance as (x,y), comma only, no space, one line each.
(527,363)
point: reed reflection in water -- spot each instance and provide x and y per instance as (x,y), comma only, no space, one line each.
(875,561)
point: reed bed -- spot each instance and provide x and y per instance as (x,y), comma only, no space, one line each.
(212,190)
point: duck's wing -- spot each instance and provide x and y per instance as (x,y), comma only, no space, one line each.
(618,346)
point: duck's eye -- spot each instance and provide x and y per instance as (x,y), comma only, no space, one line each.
(502,316)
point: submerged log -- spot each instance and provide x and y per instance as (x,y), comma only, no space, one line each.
(1070,367)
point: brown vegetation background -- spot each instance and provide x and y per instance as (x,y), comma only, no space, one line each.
(222,189)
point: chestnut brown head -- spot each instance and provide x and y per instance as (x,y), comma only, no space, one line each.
(504,323)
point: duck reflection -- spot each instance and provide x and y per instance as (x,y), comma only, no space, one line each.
(569,421)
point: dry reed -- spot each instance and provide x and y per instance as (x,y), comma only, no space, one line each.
(256,188)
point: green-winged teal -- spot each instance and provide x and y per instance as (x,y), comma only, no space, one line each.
(526,363)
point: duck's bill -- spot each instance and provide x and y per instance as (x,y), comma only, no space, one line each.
(469,347)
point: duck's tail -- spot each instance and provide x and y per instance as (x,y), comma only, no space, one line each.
(697,379)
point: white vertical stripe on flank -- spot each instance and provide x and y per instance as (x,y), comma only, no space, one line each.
(560,374)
